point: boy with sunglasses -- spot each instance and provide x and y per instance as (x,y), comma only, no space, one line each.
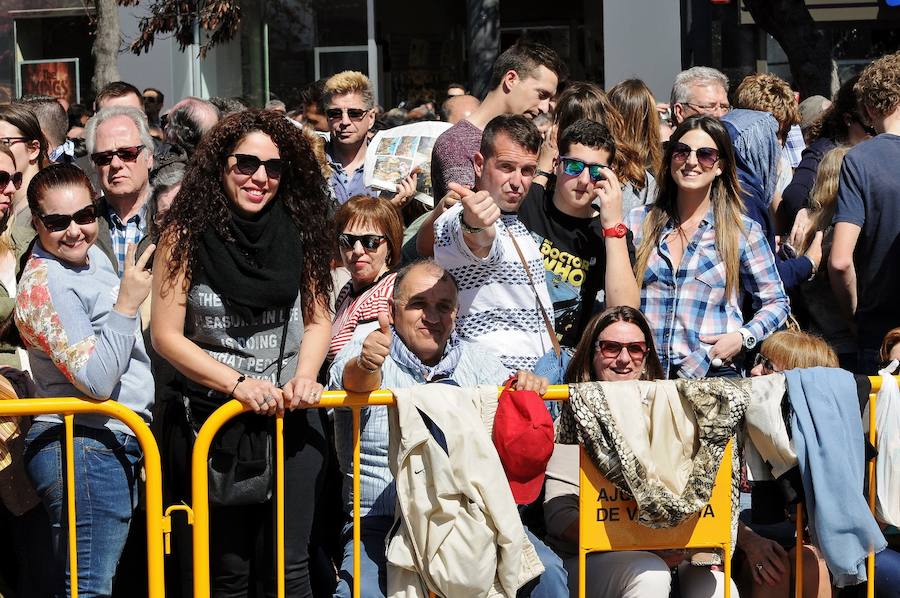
(578,225)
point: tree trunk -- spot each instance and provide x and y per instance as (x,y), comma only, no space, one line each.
(809,52)
(107,39)
(484,43)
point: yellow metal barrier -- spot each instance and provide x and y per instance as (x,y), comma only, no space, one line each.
(200,482)
(68,408)
(607,521)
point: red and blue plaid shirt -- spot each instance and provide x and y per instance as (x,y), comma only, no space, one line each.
(684,305)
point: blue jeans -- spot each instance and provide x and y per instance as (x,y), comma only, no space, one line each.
(372,558)
(552,583)
(887,573)
(106,472)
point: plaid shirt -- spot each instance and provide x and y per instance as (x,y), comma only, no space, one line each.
(123,233)
(682,306)
(794,146)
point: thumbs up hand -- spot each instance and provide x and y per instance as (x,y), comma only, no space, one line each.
(377,345)
(479,208)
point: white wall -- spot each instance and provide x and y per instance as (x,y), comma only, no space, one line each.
(168,69)
(642,38)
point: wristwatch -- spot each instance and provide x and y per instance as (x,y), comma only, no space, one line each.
(749,340)
(542,173)
(618,231)
(465,227)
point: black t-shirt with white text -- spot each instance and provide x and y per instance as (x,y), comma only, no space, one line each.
(574,255)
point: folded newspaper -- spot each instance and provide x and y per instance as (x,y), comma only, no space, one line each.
(394,153)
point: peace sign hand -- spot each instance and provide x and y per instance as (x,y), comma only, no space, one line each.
(136,281)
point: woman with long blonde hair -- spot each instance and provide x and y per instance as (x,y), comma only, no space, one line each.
(821,308)
(696,255)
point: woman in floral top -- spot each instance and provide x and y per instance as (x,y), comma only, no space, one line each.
(81,327)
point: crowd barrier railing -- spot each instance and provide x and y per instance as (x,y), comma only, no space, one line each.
(68,408)
(158,523)
(357,401)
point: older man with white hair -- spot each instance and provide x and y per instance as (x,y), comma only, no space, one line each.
(699,90)
(121,150)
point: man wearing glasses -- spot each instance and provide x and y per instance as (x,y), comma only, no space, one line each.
(699,90)
(121,150)
(349,108)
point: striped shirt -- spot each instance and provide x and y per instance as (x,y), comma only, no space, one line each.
(684,305)
(124,233)
(353,309)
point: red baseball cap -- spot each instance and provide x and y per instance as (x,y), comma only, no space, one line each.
(523,436)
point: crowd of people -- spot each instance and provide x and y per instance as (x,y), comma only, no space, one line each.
(173,262)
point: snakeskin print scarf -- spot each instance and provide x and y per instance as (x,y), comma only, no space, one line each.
(718,406)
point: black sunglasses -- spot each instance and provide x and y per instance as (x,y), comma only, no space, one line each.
(6,177)
(248,164)
(57,222)
(126,154)
(765,362)
(369,242)
(355,114)
(706,156)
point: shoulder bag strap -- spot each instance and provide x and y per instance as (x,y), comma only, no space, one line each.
(556,348)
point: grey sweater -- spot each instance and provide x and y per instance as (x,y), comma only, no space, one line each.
(77,344)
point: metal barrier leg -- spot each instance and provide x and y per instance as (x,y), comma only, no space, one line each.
(70,505)
(727,563)
(873,438)
(279,505)
(356,521)
(798,554)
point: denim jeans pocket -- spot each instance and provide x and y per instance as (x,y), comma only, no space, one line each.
(43,460)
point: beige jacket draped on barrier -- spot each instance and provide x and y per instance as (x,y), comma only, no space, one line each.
(459,530)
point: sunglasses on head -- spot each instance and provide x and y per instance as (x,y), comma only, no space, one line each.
(706,156)
(765,362)
(611,349)
(58,222)
(126,154)
(369,242)
(6,177)
(573,167)
(352,113)
(248,164)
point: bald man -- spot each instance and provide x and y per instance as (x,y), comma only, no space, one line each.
(456,108)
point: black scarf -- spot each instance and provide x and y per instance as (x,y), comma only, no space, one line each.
(262,268)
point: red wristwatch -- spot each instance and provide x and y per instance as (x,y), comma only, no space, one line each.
(618,231)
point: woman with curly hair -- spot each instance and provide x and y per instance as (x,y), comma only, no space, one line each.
(240,309)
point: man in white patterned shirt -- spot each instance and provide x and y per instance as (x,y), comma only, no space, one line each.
(503,306)
(121,150)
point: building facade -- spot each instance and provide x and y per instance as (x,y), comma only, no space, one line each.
(412,51)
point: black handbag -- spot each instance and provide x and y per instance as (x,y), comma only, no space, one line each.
(240,470)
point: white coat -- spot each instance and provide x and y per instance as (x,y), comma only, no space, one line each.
(457,531)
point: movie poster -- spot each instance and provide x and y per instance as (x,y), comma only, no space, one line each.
(55,78)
